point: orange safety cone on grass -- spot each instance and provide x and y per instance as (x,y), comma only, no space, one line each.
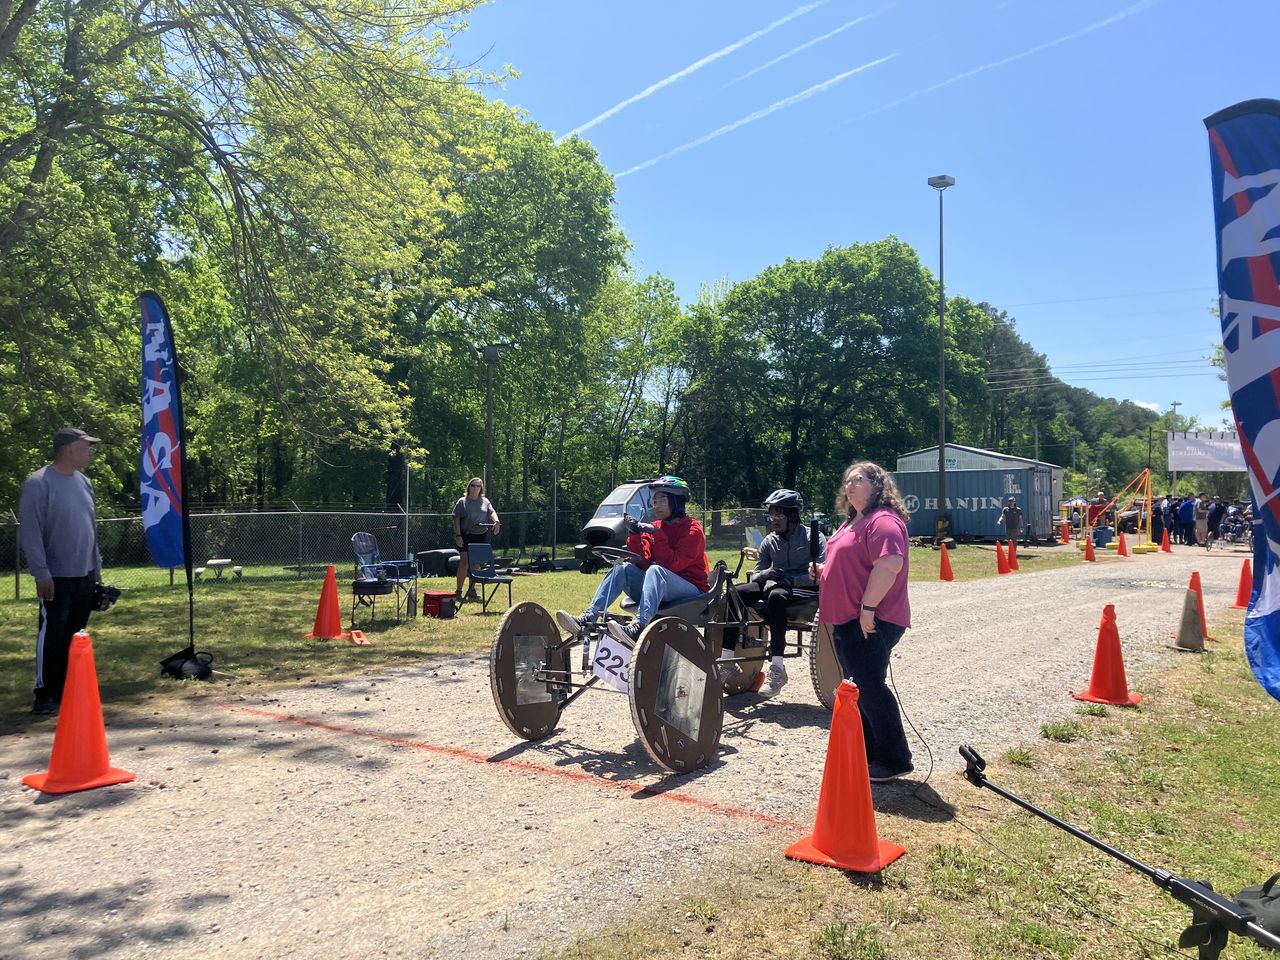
(79,760)
(1245,589)
(1013,555)
(944,572)
(328,616)
(844,830)
(1122,550)
(1002,565)
(1164,543)
(1107,684)
(1088,551)
(1066,533)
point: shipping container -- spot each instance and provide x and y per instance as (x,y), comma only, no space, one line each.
(975,499)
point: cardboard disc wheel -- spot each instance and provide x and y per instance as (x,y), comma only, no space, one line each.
(824,668)
(677,702)
(530,707)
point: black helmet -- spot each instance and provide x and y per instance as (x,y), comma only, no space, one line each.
(671,486)
(784,499)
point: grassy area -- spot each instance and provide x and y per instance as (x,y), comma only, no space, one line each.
(1187,783)
(254,627)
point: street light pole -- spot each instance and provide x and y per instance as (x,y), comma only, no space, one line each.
(942,525)
(489,356)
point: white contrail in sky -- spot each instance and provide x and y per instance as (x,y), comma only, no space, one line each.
(698,65)
(759,114)
(804,46)
(1114,18)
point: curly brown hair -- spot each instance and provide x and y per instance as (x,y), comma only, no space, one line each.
(884,492)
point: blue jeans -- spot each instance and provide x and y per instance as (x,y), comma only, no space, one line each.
(650,588)
(865,661)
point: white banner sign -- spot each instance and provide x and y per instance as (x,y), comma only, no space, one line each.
(1190,452)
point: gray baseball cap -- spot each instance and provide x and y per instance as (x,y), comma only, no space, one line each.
(70,435)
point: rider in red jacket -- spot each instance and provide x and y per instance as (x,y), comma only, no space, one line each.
(673,565)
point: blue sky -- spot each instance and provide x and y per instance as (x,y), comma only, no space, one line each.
(744,132)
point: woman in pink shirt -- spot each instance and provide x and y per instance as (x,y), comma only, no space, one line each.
(864,595)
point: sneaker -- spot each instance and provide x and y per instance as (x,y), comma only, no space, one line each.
(728,671)
(574,625)
(45,707)
(775,679)
(879,773)
(628,633)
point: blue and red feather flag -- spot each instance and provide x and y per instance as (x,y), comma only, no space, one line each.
(163,473)
(1244,157)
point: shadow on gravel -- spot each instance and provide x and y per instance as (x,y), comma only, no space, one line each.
(87,923)
(627,766)
(780,713)
(149,746)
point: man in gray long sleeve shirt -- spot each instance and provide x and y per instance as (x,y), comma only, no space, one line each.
(60,540)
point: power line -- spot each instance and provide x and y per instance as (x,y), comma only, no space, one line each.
(1051,380)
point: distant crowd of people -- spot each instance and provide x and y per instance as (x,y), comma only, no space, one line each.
(1193,520)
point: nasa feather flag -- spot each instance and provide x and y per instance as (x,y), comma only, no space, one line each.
(163,483)
(1244,157)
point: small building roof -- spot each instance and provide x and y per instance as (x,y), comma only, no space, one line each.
(996,454)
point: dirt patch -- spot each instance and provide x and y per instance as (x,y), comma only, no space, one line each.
(394,815)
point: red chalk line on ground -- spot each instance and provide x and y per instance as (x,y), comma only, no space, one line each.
(523,766)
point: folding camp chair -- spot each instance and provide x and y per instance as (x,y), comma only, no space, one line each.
(484,571)
(382,578)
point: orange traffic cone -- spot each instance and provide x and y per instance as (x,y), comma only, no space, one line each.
(944,573)
(844,830)
(1245,589)
(1107,684)
(328,616)
(1088,551)
(79,760)
(1164,543)
(1002,565)
(1066,533)
(1195,585)
(1013,555)
(1121,549)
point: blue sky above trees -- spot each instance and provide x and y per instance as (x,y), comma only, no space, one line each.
(743,133)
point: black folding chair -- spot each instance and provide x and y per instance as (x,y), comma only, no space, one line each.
(484,571)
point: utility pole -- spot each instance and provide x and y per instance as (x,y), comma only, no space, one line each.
(1173,423)
(942,523)
(489,356)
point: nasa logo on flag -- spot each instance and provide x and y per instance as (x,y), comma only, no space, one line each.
(161,462)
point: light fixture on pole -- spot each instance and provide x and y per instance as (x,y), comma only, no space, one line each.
(942,526)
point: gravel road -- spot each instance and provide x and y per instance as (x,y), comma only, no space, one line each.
(395,815)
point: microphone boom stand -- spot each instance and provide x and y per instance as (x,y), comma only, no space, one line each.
(1213,915)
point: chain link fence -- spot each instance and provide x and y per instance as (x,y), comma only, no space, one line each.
(300,544)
